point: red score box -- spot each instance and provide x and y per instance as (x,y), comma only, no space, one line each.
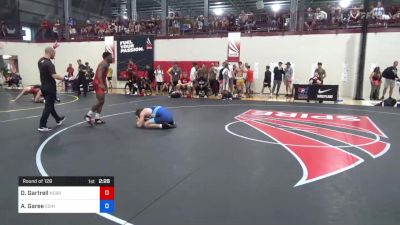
(106,193)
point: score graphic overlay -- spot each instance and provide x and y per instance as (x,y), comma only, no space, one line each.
(66,195)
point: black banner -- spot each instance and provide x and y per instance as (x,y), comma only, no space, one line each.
(139,49)
(315,92)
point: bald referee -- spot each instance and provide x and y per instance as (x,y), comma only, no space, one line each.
(48,76)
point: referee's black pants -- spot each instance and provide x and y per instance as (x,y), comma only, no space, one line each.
(50,98)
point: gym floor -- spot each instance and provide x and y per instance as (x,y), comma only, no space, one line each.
(217,167)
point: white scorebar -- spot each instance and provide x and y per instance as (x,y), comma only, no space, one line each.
(58,199)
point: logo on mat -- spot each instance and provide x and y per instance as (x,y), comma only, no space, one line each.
(303,135)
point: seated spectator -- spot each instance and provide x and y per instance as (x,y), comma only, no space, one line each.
(336,14)
(57,29)
(14,80)
(185,85)
(71,26)
(202,87)
(320,17)
(309,19)
(378,13)
(242,19)
(355,15)
(250,22)
(70,71)
(44,28)
(394,14)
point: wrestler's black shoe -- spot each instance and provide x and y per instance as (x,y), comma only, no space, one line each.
(168,125)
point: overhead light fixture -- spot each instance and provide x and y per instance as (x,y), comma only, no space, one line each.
(218,12)
(7,56)
(276,7)
(344,3)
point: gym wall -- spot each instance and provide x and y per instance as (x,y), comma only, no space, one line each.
(333,50)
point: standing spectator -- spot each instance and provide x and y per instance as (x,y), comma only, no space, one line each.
(320,17)
(250,22)
(390,75)
(109,77)
(212,78)
(394,14)
(249,80)
(72,27)
(378,13)
(278,75)
(81,79)
(57,29)
(202,72)
(242,19)
(200,23)
(267,80)
(159,79)
(150,76)
(193,73)
(288,79)
(3,29)
(175,74)
(309,19)
(375,78)
(321,72)
(70,70)
(225,75)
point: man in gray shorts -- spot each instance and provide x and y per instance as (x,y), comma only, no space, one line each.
(390,75)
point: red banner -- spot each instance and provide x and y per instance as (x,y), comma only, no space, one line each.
(234,47)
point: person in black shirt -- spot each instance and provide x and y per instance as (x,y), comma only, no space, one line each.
(48,76)
(81,79)
(390,75)
(267,80)
(278,75)
(151,76)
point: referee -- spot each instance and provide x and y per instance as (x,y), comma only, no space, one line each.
(47,78)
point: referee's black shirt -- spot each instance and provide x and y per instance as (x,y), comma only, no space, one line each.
(47,69)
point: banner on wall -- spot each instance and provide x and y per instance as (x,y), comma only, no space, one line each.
(110,46)
(234,47)
(139,49)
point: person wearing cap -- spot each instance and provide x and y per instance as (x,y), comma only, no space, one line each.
(288,79)
(278,75)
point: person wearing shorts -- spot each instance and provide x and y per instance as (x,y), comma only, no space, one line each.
(100,87)
(156,117)
(34,90)
(390,75)
(109,77)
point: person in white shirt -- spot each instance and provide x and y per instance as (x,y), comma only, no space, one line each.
(159,79)
(226,74)
(378,12)
(288,79)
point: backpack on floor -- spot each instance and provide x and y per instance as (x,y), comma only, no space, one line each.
(389,102)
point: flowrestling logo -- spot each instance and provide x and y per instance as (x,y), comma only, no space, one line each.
(299,133)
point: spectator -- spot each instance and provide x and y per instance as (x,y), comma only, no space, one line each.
(267,80)
(250,22)
(14,80)
(212,78)
(150,76)
(355,15)
(200,23)
(309,19)
(70,71)
(375,78)
(3,29)
(202,72)
(193,73)
(225,75)
(242,19)
(57,29)
(390,75)
(321,72)
(159,79)
(72,27)
(315,80)
(231,22)
(288,79)
(249,80)
(185,85)
(44,28)
(320,17)
(175,75)
(394,14)
(336,14)
(278,75)
(81,79)
(378,13)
